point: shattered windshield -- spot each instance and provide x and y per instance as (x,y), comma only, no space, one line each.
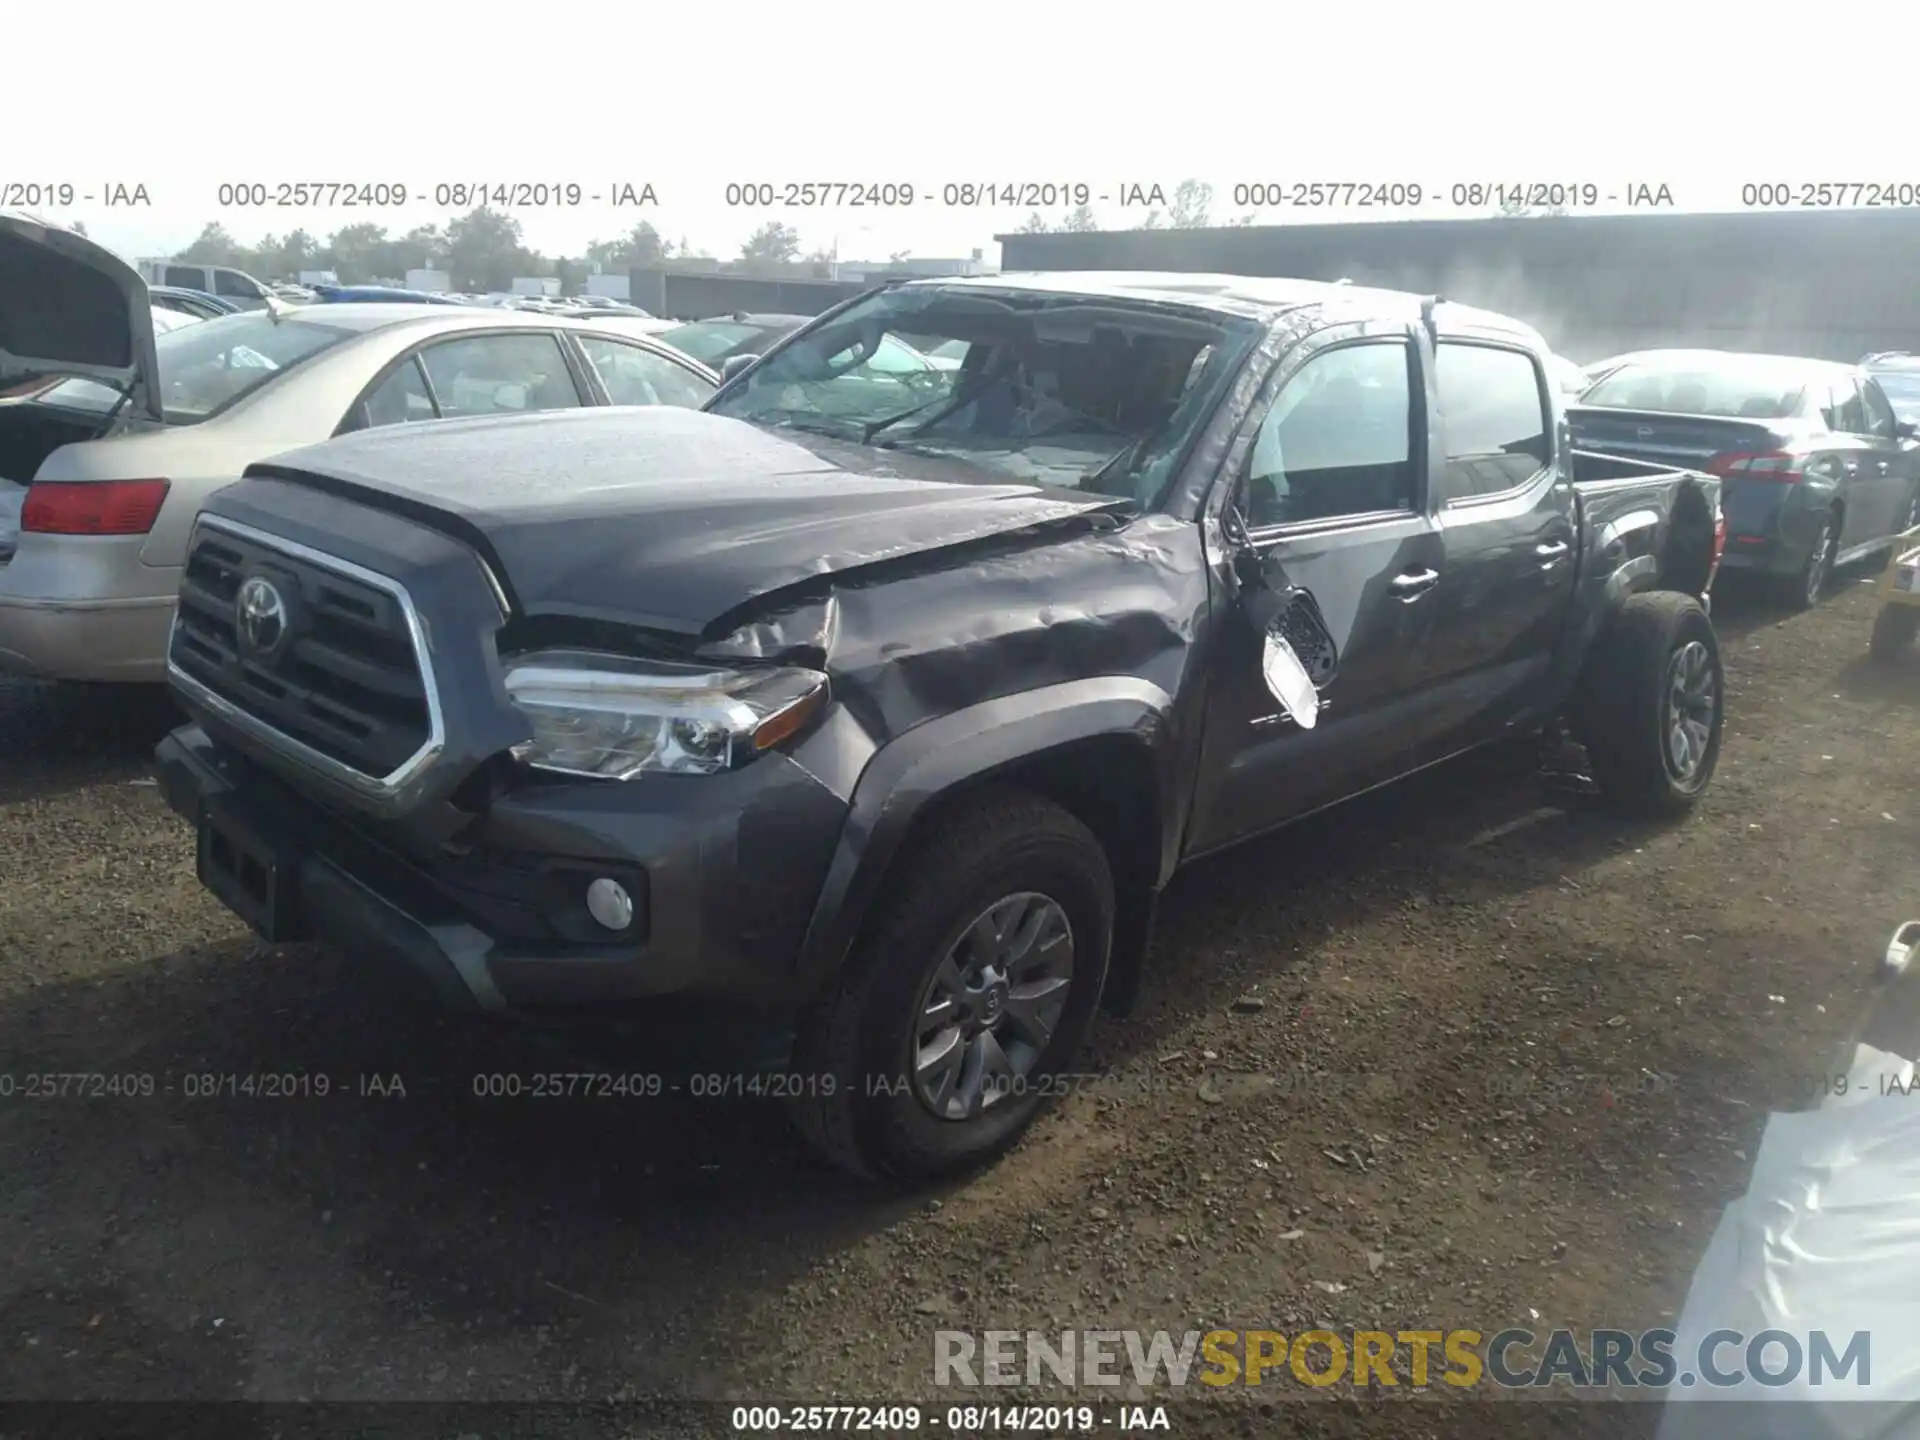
(1063,390)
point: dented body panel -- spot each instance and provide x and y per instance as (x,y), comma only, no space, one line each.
(1103,650)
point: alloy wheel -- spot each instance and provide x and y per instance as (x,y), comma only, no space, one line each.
(989,1010)
(1692,696)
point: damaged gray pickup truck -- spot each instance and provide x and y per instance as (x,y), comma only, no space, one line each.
(888,698)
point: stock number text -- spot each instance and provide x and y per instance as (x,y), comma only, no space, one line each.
(890,1419)
(1327,194)
(1830,194)
(317,194)
(819,194)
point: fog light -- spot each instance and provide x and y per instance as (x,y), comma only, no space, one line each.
(610,904)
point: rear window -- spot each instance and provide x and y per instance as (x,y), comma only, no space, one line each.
(1750,390)
(206,367)
(1497,425)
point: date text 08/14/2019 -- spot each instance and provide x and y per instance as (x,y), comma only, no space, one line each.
(953,1420)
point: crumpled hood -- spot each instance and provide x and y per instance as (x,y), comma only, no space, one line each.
(664,517)
(71,307)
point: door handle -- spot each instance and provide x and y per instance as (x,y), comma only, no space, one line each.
(1880,467)
(1551,552)
(1414,583)
(1851,467)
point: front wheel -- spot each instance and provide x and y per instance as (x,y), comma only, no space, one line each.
(968,995)
(1648,709)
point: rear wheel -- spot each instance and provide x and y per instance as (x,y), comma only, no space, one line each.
(1894,629)
(968,995)
(1810,584)
(1649,706)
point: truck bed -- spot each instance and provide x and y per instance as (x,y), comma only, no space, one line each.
(1591,467)
(1649,515)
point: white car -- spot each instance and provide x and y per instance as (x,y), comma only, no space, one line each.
(145,424)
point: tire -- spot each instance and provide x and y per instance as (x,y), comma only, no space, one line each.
(1894,629)
(1650,706)
(866,1111)
(1809,583)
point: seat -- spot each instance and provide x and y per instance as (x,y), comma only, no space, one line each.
(387,406)
(1689,397)
(553,392)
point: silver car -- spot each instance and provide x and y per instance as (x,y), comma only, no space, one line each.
(122,453)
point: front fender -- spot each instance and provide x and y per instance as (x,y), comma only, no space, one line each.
(930,760)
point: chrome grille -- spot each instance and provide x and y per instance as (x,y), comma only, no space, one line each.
(347,684)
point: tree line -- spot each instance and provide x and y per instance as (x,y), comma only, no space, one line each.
(486,248)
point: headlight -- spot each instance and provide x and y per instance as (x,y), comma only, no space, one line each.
(614,718)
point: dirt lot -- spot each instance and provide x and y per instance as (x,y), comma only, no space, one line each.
(1423,948)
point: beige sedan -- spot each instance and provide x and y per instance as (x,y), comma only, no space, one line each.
(122,453)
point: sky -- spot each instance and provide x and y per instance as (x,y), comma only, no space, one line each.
(988,94)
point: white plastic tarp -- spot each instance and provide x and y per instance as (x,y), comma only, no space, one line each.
(12,497)
(1827,1238)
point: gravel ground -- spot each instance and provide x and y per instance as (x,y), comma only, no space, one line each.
(402,1238)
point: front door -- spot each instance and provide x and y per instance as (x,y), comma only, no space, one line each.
(1863,491)
(1331,499)
(1890,462)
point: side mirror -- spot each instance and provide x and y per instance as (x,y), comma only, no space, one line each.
(1907,429)
(734,364)
(1298,654)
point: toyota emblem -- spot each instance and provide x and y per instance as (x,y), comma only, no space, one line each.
(260,617)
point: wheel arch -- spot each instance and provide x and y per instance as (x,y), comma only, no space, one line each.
(1098,748)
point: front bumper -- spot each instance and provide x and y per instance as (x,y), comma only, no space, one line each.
(724,872)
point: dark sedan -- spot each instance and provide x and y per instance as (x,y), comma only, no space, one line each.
(1817,469)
